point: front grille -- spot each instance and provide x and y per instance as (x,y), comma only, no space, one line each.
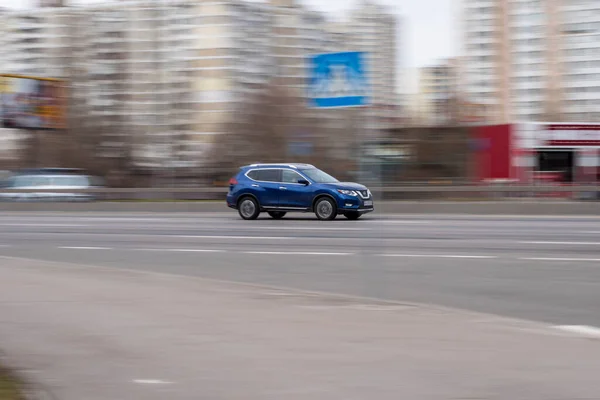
(364,194)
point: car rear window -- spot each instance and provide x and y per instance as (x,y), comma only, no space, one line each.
(265,175)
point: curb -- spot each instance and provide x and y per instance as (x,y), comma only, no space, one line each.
(540,208)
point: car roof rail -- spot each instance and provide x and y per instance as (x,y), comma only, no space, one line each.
(274,165)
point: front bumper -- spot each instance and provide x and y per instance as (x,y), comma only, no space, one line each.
(356,204)
(363,210)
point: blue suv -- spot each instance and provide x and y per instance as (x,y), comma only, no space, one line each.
(282,188)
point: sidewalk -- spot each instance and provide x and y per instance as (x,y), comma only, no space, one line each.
(91,333)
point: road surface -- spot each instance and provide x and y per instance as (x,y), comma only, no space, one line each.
(544,269)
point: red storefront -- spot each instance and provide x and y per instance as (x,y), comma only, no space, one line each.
(531,152)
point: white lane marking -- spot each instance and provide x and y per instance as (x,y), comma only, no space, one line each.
(232,237)
(580,330)
(563,243)
(44,225)
(467,256)
(378,221)
(84,248)
(301,228)
(152,382)
(440,256)
(193,250)
(407,255)
(113,219)
(559,259)
(299,253)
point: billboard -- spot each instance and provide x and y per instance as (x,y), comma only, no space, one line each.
(337,80)
(32,102)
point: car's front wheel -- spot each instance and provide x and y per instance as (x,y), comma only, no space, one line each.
(277,214)
(325,209)
(352,216)
(248,208)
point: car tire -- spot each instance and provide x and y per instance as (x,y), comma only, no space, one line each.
(352,216)
(277,214)
(248,208)
(325,209)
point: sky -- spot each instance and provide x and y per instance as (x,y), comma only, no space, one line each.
(427,29)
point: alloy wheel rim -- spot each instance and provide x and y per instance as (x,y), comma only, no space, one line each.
(248,208)
(325,209)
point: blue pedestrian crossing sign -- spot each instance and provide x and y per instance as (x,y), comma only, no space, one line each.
(337,80)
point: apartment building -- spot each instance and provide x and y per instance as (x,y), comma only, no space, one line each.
(168,78)
(577,59)
(36,43)
(368,27)
(299,33)
(533,60)
(486,58)
(7,136)
(374,31)
(438,93)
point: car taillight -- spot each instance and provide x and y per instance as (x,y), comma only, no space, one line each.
(233,182)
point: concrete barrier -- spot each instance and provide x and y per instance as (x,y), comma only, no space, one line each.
(526,207)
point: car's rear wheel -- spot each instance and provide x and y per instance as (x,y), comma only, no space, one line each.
(325,209)
(248,208)
(352,216)
(277,214)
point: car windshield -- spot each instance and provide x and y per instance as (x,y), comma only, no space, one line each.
(318,176)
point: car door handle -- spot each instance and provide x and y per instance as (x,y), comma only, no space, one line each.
(282,188)
(255,185)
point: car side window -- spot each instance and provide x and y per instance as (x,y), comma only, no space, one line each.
(290,176)
(253,175)
(269,175)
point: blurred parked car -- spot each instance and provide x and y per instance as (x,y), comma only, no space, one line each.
(38,186)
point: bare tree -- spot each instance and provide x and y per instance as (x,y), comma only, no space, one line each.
(259,132)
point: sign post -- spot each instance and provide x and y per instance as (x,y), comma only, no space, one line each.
(338,80)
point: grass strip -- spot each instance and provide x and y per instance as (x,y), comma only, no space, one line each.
(10,387)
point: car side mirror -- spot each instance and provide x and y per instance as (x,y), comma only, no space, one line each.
(303,182)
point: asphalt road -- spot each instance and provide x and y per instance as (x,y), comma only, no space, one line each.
(541,268)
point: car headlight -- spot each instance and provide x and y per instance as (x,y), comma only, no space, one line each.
(348,192)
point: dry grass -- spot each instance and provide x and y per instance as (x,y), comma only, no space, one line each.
(9,386)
